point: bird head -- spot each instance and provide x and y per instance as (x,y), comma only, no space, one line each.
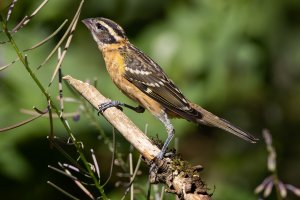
(105,31)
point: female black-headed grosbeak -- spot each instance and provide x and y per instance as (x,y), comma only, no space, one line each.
(144,81)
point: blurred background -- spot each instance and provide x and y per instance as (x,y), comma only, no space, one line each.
(238,59)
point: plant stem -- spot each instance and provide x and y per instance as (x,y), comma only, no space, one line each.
(276,184)
(53,106)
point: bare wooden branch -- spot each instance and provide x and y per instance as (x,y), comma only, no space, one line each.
(181,179)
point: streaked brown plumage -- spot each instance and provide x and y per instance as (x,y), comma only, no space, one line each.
(144,81)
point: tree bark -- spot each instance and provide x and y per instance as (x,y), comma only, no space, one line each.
(180,178)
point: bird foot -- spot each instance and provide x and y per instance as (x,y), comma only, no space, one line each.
(102,107)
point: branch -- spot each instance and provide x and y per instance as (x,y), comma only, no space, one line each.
(181,179)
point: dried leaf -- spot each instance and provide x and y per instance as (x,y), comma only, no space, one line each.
(262,186)
(294,189)
(268,189)
(282,189)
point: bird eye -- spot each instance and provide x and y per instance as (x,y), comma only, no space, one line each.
(99,26)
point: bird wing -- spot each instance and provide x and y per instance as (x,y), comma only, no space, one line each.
(149,77)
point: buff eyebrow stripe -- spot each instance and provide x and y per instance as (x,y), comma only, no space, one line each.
(116,28)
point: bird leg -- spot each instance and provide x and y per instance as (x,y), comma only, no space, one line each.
(170,130)
(138,109)
(118,104)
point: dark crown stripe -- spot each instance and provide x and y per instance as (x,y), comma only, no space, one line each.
(115,27)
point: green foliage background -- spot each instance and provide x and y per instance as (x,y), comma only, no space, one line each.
(239,59)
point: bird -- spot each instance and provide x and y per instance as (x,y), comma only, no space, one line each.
(145,82)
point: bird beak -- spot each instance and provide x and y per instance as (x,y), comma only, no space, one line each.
(88,23)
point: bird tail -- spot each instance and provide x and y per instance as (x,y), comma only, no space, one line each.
(210,119)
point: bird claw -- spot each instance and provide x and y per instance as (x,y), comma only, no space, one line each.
(157,159)
(102,107)
(153,168)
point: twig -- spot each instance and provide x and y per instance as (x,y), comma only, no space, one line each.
(33,113)
(10,9)
(62,190)
(67,32)
(9,64)
(113,151)
(21,123)
(47,38)
(73,26)
(26,19)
